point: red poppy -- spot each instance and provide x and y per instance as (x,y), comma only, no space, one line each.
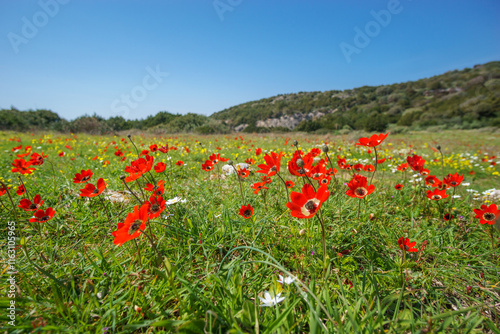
(160,167)
(448,216)
(358,167)
(179,163)
(259,186)
(186,149)
(155,205)
(3,190)
(207,166)
(398,186)
(406,245)
(61,154)
(153,148)
(250,161)
(437,194)
(28,151)
(158,189)
(132,226)
(487,214)
(358,187)
(258,151)
(139,167)
(21,190)
(215,158)
(83,176)
(294,169)
(342,163)
(266,179)
(17,148)
(453,180)
(144,152)
(369,168)
(43,216)
(22,167)
(243,172)
(164,149)
(27,205)
(416,162)
(324,180)
(307,203)
(92,191)
(433,181)
(403,167)
(373,141)
(289,184)
(272,165)
(37,159)
(380,161)
(472,172)
(315,152)
(246,211)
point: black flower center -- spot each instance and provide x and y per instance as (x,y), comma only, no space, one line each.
(488,216)
(155,208)
(407,248)
(96,191)
(134,226)
(44,218)
(85,178)
(311,206)
(436,197)
(247,213)
(33,206)
(361,192)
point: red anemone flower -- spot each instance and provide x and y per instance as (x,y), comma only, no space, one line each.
(83,176)
(437,194)
(324,180)
(416,162)
(406,245)
(132,226)
(43,216)
(160,167)
(358,167)
(487,214)
(358,187)
(158,189)
(272,165)
(156,205)
(289,184)
(22,167)
(207,166)
(259,186)
(37,159)
(27,205)
(246,211)
(3,190)
(258,151)
(153,148)
(243,172)
(432,180)
(179,163)
(453,180)
(250,161)
(369,168)
(21,190)
(92,191)
(448,216)
(307,203)
(373,141)
(403,167)
(398,186)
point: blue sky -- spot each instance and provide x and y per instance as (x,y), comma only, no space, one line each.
(135,58)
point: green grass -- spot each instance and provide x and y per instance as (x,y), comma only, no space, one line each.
(215,264)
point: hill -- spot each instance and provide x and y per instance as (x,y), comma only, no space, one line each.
(465,99)
(468,98)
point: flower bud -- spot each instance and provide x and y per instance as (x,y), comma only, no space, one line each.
(325,149)
(300,163)
(122,177)
(302,232)
(129,135)
(438,147)
(230,162)
(295,143)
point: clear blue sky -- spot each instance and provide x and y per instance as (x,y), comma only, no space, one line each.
(88,56)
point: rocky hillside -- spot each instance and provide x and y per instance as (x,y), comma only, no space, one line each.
(468,98)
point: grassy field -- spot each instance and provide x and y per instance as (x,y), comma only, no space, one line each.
(207,263)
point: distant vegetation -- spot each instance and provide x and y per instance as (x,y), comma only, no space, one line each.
(464,99)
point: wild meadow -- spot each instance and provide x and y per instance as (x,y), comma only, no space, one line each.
(292,233)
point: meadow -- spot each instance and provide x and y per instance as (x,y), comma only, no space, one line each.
(292,233)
